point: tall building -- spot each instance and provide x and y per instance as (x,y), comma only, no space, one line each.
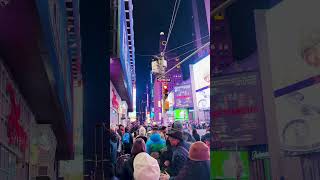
(122,64)
(221,42)
(38,74)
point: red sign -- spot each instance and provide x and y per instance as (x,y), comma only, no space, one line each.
(115,102)
(16,133)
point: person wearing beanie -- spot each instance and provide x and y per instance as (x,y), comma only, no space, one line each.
(180,152)
(139,146)
(198,165)
(155,144)
(145,167)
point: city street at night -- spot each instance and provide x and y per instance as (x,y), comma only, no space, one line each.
(159,90)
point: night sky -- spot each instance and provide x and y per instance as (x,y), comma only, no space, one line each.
(150,18)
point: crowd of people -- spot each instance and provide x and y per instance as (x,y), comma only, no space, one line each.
(162,153)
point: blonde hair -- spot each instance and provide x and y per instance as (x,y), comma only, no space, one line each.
(142,131)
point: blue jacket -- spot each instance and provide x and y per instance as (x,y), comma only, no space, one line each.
(155,143)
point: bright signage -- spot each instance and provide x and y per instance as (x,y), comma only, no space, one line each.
(181,114)
(201,71)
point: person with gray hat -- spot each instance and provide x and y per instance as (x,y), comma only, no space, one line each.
(180,151)
(186,135)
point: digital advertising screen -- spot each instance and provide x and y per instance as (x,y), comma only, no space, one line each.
(183,96)
(239,107)
(181,115)
(201,73)
(228,165)
(294,58)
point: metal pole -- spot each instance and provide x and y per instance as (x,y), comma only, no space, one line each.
(102,151)
(95,150)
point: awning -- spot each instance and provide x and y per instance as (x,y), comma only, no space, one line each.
(118,79)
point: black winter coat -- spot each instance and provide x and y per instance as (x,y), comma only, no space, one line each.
(194,170)
(127,170)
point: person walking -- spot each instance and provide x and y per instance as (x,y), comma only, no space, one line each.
(145,167)
(155,144)
(195,135)
(180,152)
(186,135)
(197,167)
(142,134)
(127,141)
(114,146)
(139,146)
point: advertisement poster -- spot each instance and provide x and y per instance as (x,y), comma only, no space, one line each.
(181,115)
(228,165)
(238,111)
(201,72)
(183,96)
(203,99)
(294,45)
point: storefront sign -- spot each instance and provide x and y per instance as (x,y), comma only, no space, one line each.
(238,111)
(16,133)
(115,103)
(259,155)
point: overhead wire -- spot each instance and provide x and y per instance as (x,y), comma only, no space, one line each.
(174,15)
(186,58)
(186,44)
(178,47)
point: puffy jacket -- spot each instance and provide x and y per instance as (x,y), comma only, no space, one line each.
(155,143)
(194,170)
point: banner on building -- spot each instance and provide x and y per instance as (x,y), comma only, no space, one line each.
(183,96)
(238,118)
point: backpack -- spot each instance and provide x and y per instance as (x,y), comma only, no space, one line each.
(126,138)
(120,163)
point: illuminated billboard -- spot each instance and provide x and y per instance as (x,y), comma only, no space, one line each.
(183,96)
(201,73)
(181,115)
(203,99)
(293,55)
(229,165)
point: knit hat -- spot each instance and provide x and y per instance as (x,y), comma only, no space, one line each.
(145,167)
(199,151)
(176,134)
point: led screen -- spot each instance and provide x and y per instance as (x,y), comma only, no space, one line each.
(201,73)
(228,165)
(181,114)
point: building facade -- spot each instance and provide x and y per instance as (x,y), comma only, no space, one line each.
(38,73)
(221,43)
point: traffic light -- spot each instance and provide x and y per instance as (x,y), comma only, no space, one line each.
(165,91)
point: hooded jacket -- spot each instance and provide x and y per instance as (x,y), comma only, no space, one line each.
(155,143)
